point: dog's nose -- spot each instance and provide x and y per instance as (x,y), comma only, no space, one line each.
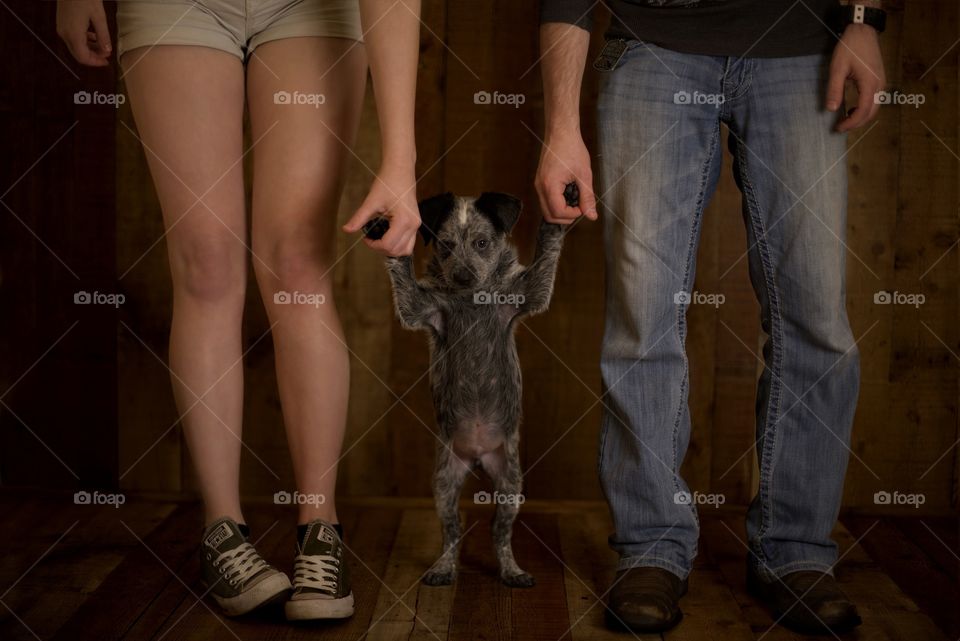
(462,276)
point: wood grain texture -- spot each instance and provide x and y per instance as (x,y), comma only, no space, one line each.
(58,238)
(104,581)
(101,400)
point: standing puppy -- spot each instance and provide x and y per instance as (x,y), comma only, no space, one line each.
(474,294)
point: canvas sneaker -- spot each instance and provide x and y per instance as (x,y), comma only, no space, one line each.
(321,578)
(234,572)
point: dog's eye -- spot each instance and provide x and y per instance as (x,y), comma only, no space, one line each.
(480,243)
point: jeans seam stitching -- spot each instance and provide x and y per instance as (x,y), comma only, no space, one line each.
(773,405)
(681,309)
(603,439)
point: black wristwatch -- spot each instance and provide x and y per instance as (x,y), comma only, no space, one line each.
(861,14)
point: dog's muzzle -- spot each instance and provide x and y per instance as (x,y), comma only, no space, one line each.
(462,276)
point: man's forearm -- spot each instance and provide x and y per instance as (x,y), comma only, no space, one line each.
(563,49)
(392,35)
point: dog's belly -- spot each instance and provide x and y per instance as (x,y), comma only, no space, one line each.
(475,438)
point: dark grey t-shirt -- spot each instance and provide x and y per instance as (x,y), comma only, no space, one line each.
(751,28)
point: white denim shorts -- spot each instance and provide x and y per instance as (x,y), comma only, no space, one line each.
(234,26)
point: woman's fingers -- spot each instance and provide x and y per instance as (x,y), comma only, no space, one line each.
(397,242)
(401,235)
(99,20)
(83,28)
(360,217)
(82,51)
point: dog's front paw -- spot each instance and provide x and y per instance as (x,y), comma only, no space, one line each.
(439,577)
(521,580)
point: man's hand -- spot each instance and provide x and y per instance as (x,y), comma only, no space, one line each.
(856,57)
(82,25)
(393,195)
(564,159)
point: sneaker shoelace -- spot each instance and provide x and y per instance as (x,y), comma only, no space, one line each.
(239,564)
(316,571)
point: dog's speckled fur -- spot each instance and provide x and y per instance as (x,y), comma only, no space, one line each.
(474,369)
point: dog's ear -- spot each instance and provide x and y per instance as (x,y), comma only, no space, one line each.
(433,214)
(503,210)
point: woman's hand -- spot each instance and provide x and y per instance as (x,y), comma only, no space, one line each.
(391,33)
(82,24)
(393,195)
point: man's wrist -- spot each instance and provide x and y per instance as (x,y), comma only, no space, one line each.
(562,128)
(861,28)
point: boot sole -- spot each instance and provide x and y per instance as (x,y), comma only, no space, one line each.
(616,623)
(797,622)
(309,609)
(266,591)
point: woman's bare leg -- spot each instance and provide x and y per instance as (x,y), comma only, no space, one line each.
(188,105)
(298,175)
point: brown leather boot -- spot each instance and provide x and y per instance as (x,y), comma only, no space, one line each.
(645,600)
(807,601)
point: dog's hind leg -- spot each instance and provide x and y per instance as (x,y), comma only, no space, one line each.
(503,467)
(447,482)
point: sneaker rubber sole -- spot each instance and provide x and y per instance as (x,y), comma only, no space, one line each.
(264,592)
(307,609)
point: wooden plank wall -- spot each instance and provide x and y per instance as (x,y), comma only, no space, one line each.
(58,403)
(903,231)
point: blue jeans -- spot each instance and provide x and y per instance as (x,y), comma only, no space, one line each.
(659,116)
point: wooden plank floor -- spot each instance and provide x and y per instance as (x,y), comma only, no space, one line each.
(83,572)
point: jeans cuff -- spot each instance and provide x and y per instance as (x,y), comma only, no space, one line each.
(771,574)
(646,561)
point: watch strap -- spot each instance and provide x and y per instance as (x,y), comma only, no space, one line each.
(862,14)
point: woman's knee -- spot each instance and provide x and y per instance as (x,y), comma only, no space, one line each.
(299,262)
(209,270)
